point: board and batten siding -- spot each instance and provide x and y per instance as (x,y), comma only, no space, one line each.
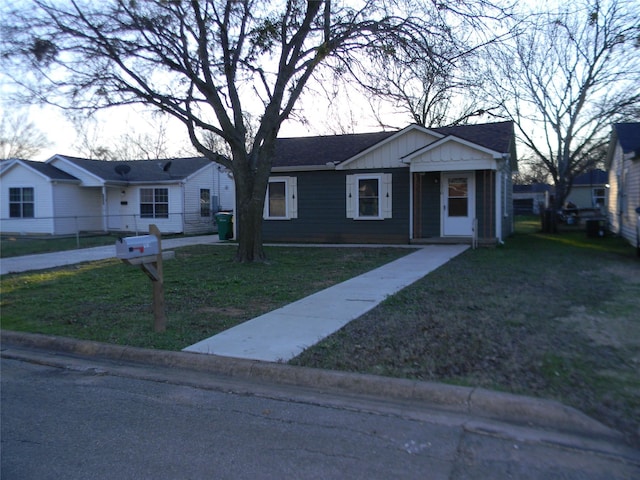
(322,215)
(42,221)
(389,154)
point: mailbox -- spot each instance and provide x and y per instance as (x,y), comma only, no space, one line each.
(133,247)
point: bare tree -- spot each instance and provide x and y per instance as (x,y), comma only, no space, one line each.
(205,62)
(568,76)
(441,85)
(136,143)
(19,137)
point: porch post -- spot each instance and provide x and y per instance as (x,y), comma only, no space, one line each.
(411,204)
(499,205)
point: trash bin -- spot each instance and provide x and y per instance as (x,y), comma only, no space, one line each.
(595,228)
(225,225)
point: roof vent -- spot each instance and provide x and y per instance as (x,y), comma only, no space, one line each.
(166,166)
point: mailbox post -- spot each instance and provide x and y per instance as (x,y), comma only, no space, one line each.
(146,251)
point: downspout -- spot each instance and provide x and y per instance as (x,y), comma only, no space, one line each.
(105,211)
(499,206)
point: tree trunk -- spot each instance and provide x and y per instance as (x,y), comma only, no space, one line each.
(249,230)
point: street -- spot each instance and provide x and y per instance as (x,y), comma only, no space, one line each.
(101,423)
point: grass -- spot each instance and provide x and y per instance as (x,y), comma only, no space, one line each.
(205,293)
(554,316)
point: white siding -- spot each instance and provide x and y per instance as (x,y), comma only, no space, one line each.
(87,179)
(76,209)
(20,176)
(389,155)
(203,179)
(224,186)
(452,156)
(623,196)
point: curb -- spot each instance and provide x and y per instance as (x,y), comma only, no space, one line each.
(477,402)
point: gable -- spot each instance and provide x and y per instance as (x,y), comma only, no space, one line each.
(451,153)
(390,152)
(44,171)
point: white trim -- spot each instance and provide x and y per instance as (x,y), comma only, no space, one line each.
(344,165)
(451,138)
(385,196)
(290,197)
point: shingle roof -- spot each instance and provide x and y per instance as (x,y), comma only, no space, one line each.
(152,171)
(495,136)
(306,151)
(49,171)
(592,177)
(629,137)
(313,151)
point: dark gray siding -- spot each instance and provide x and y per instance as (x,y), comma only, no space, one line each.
(322,212)
(486,204)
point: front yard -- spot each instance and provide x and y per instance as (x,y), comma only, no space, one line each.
(554,316)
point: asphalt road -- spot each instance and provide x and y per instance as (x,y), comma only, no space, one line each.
(88,421)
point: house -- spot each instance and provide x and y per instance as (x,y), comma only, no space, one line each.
(623,166)
(66,195)
(413,185)
(530,199)
(588,191)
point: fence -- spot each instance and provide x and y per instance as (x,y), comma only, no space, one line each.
(79,225)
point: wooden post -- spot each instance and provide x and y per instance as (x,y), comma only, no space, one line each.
(159,316)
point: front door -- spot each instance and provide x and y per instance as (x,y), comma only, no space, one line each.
(458,204)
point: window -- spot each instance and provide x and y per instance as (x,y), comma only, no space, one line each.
(369,196)
(598,195)
(281,202)
(21,202)
(458,197)
(205,202)
(154,203)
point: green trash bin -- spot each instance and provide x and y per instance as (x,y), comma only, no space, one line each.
(225,225)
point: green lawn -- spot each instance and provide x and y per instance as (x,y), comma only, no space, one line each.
(205,293)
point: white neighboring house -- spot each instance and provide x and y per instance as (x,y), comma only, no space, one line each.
(65,195)
(623,165)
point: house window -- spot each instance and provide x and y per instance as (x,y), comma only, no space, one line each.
(205,202)
(598,195)
(369,196)
(154,203)
(458,197)
(281,202)
(21,202)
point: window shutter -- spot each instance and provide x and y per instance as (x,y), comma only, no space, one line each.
(293,197)
(387,195)
(352,196)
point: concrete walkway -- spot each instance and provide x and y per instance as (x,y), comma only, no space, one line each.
(282,334)
(41,261)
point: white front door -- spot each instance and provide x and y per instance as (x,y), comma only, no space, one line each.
(458,204)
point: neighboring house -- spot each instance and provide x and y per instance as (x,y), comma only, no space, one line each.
(65,195)
(413,185)
(531,199)
(588,191)
(623,166)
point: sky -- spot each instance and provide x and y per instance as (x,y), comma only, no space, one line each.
(350,113)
